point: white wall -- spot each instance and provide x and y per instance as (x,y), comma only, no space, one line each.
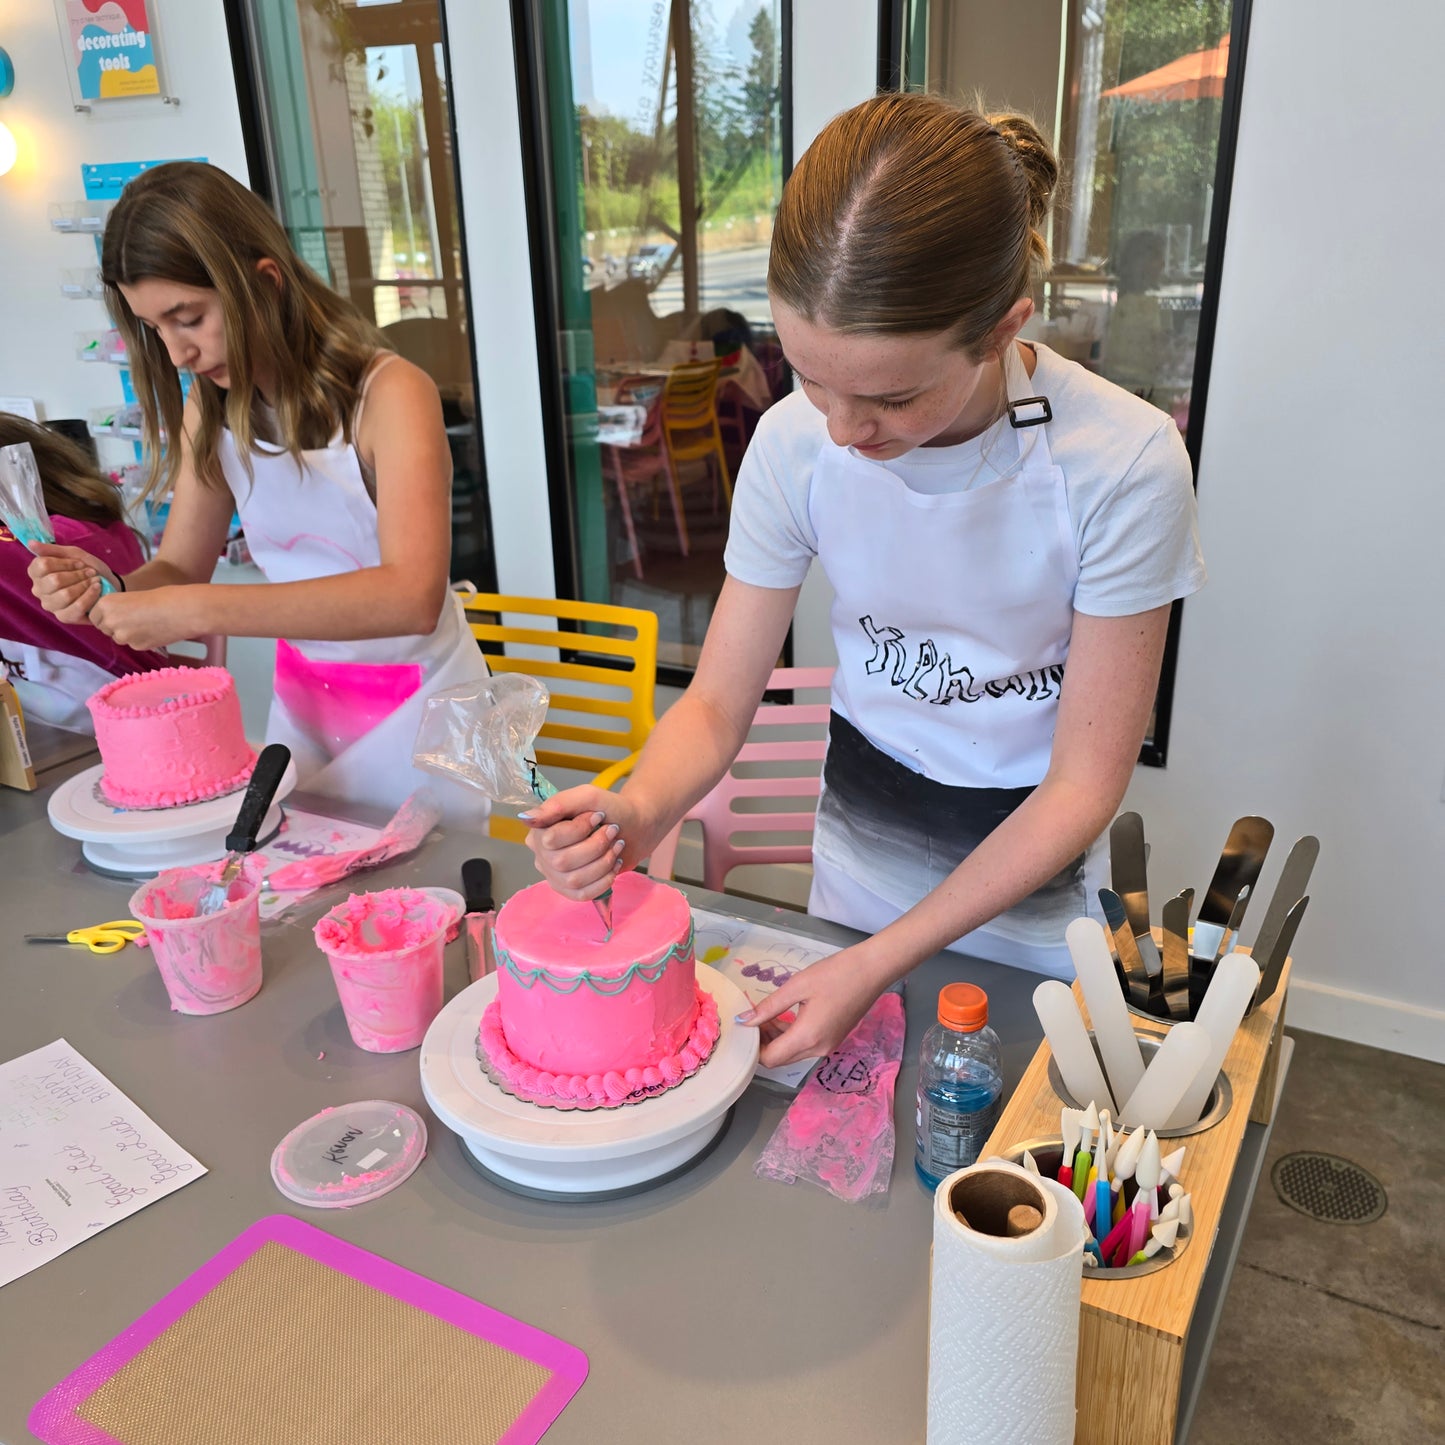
(37,324)
(1312,672)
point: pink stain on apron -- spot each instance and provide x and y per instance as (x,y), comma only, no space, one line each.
(338,703)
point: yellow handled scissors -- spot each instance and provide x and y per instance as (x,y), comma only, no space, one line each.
(99,938)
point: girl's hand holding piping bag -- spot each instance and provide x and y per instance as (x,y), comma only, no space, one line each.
(574,835)
(67,581)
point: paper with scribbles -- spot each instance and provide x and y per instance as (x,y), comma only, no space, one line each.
(76,1156)
(758,959)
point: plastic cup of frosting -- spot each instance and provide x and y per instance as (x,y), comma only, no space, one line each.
(208,962)
(385,951)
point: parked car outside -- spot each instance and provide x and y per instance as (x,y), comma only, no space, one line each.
(648,262)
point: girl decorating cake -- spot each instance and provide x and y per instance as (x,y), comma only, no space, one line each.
(330,447)
(1004,532)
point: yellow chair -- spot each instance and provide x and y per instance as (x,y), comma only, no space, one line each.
(601,711)
(690,428)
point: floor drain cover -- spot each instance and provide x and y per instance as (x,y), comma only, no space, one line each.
(1328,1188)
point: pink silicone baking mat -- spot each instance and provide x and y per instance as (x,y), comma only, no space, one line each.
(290,1335)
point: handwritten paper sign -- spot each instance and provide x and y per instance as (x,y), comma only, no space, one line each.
(758,959)
(76,1156)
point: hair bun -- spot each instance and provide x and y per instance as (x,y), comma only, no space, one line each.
(1037,158)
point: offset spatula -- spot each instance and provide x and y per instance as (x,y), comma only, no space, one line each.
(1292,885)
(265,779)
(1128,862)
(1239,867)
(1271,966)
(480,917)
(1135,977)
(1175,919)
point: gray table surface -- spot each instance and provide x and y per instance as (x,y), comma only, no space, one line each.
(715,1307)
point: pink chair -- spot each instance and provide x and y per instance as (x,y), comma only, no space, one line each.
(646,460)
(790,769)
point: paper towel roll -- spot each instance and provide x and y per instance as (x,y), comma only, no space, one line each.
(1003,1329)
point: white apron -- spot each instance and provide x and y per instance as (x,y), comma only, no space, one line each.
(952,618)
(348,711)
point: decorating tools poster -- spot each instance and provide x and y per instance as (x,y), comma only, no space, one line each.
(112,46)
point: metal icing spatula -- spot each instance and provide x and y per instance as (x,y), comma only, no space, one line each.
(1129,866)
(265,779)
(1239,867)
(480,917)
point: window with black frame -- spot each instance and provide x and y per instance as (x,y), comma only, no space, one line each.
(1139,99)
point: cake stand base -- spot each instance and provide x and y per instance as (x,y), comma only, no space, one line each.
(514,1185)
(582,1154)
(133,843)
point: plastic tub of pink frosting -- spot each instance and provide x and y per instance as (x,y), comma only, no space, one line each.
(212,962)
(385,951)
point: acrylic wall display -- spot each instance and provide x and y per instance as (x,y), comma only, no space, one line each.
(118,421)
(83,284)
(87,217)
(106,347)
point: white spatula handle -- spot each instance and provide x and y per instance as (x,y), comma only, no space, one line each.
(1064,1029)
(1123,1064)
(1230,990)
(1170,1073)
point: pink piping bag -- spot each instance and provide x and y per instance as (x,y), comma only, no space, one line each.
(403,834)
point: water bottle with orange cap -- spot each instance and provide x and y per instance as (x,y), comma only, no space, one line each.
(960,1084)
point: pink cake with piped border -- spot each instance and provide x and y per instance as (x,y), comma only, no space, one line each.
(583,1020)
(170,737)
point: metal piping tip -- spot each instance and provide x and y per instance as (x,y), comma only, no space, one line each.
(603,905)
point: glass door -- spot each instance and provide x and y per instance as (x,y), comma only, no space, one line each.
(1141,101)
(660,127)
(354,102)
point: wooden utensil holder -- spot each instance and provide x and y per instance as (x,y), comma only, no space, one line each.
(1132,1332)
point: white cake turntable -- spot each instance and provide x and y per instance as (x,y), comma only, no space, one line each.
(140,842)
(582,1153)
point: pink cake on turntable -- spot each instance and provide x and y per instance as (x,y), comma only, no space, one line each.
(170,737)
(584,1020)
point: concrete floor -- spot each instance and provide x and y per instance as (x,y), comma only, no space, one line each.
(1334,1332)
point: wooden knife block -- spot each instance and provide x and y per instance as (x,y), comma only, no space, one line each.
(1132,1332)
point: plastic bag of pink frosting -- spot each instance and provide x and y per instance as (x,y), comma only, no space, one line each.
(838,1132)
(405,833)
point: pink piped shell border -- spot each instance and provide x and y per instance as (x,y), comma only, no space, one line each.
(595,1091)
(204,684)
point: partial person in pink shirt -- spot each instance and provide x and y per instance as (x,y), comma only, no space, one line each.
(56,667)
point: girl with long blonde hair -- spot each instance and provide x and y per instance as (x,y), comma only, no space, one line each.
(1004,533)
(331,449)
